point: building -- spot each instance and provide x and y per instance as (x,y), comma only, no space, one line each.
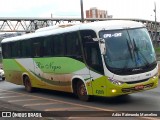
(96,13)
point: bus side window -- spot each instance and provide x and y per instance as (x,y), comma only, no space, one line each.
(37,47)
(58,45)
(26,48)
(94,59)
(94,56)
(92,51)
(73,47)
(6,48)
(15,49)
(48,46)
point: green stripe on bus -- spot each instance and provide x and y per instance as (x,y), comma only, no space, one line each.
(58,65)
(53,82)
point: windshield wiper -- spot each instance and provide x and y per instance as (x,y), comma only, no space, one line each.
(136,49)
(125,68)
(129,49)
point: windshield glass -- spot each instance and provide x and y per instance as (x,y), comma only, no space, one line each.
(128,49)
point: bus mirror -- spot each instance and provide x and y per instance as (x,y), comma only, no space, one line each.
(102,45)
(99,39)
(95,39)
(103,48)
(102,41)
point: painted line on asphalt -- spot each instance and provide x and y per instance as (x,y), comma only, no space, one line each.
(63,109)
(22,100)
(11,96)
(4,93)
(38,104)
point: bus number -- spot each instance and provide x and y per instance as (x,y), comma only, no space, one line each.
(99,91)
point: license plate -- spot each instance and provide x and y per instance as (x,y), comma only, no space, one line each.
(139,87)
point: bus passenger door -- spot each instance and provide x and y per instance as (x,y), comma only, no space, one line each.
(94,62)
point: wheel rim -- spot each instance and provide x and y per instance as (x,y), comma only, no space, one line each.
(82,90)
(27,85)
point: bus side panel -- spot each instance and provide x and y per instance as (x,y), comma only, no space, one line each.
(12,71)
(16,68)
(99,84)
(28,67)
(57,72)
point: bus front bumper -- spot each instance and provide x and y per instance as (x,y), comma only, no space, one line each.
(125,88)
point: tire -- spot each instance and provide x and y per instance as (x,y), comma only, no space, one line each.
(82,92)
(27,84)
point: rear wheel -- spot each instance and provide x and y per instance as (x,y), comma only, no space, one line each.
(27,84)
(82,92)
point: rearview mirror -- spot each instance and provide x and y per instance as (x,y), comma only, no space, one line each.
(103,48)
(101,45)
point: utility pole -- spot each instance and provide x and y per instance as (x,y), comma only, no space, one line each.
(51,18)
(82,15)
(155,11)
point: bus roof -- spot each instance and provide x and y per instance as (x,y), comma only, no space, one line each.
(96,26)
(53,27)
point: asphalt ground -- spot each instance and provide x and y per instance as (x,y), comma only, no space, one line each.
(8,107)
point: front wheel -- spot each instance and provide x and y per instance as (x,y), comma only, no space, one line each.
(27,84)
(82,92)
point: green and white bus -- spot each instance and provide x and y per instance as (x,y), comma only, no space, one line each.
(104,58)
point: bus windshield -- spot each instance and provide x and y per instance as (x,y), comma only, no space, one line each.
(128,49)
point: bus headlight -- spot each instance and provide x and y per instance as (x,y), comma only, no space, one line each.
(154,77)
(114,90)
(116,82)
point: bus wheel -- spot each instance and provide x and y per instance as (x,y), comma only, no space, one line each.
(27,84)
(82,92)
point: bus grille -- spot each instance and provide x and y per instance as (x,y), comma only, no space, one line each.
(133,82)
(134,89)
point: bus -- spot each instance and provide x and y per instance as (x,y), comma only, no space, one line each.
(104,58)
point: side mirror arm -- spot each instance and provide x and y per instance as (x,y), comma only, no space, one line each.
(101,45)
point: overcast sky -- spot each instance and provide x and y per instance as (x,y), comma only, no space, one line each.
(142,9)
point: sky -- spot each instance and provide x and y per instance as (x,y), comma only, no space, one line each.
(141,9)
